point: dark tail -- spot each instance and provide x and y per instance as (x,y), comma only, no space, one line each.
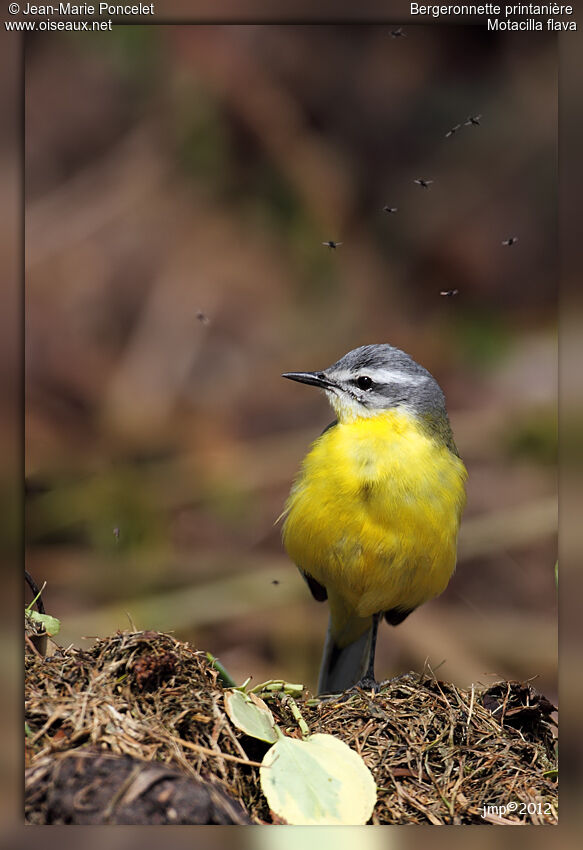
(343,667)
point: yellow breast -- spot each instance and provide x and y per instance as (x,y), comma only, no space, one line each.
(375,512)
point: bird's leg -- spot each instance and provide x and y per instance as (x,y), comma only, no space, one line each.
(368,681)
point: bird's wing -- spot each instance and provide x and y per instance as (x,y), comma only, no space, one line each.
(396,616)
(331,425)
(317,590)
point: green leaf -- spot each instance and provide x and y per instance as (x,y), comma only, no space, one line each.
(51,624)
(317,781)
(251,715)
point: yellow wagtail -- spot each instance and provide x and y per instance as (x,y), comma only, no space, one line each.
(373,517)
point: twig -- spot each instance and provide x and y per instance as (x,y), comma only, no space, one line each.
(297,715)
(208,752)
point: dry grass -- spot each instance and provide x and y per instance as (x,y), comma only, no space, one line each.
(439,754)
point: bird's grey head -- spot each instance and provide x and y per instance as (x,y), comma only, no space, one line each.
(375,378)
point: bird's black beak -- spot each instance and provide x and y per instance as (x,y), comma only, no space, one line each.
(316,379)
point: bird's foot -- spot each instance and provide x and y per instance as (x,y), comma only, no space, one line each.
(367,683)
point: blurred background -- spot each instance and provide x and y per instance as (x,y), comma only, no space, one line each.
(180,182)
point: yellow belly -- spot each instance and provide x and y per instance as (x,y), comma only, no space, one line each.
(374,514)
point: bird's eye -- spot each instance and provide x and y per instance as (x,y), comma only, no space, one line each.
(364,382)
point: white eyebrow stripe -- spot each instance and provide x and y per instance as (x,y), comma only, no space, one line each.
(384,376)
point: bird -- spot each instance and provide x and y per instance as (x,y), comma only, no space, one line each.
(473,120)
(398,33)
(372,518)
(449,292)
(425,184)
(331,244)
(512,240)
(388,209)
